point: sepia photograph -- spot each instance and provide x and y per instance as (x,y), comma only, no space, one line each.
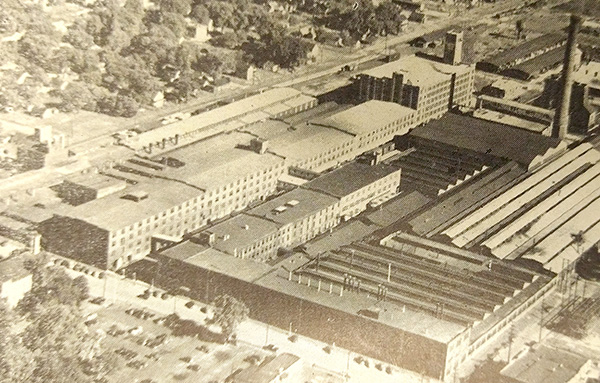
(299,191)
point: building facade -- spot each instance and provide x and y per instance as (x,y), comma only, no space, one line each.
(430,88)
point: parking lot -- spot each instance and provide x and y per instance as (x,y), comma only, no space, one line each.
(121,305)
(149,351)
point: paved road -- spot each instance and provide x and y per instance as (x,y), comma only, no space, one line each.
(101,150)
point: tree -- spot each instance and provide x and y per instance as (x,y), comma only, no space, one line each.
(55,344)
(15,363)
(200,13)
(228,314)
(184,87)
(222,13)
(39,50)
(78,36)
(175,22)
(226,40)
(125,106)
(209,64)
(519,27)
(76,96)
(183,7)
(388,14)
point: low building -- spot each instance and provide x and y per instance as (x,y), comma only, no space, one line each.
(424,326)
(493,142)
(15,281)
(543,364)
(522,52)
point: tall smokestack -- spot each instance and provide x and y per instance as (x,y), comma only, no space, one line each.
(561,118)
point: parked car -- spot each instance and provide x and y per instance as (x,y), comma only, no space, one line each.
(271,347)
(97,300)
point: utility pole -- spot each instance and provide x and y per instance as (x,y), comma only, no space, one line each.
(267,335)
(510,340)
(541,320)
(105,281)
(347,374)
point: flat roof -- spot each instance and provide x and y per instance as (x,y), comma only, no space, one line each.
(349,178)
(397,208)
(31,214)
(243,230)
(13,224)
(366,117)
(306,202)
(114,212)
(545,364)
(418,71)
(217,261)
(587,73)
(217,161)
(486,137)
(342,235)
(302,141)
(517,122)
(95,181)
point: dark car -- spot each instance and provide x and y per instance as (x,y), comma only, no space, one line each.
(97,300)
(271,347)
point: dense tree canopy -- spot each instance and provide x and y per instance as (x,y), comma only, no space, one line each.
(55,345)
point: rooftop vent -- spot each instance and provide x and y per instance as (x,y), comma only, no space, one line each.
(246,227)
(136,196)
(225,237)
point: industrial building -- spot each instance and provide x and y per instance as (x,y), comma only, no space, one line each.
(330,134)
(429,87)
(358,184)
(585,97)
(521,53)
(119,215)
(303,213)
(273,103)
(406,292)
(165,198)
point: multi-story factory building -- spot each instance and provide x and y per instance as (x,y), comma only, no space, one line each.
(430,88)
